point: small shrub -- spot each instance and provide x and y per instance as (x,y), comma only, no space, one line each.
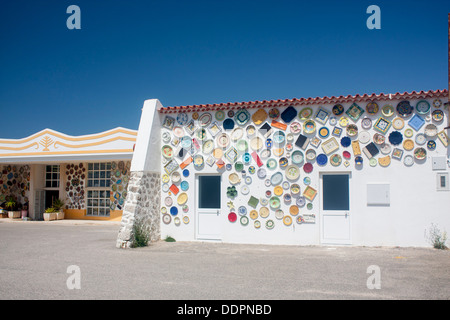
(141,236)
(169,239)
(437,238)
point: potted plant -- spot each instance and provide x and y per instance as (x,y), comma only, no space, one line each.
(11,206)
(24,211)
(49,214)
(58,205)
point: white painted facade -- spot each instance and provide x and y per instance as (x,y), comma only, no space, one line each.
(415,201)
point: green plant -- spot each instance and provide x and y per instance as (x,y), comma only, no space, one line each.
(141,236)
(10,204)
(58,204)
(50,210)
(436,237)
(169,239)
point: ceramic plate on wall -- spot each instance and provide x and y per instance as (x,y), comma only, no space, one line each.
(364,137)
(408,160)
(237,134)
(398,123)
(366,123)
(297,157)
(387,110)
(276,179)
(292,172)
(271,164)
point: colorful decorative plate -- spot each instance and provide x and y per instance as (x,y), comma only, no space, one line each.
(220,115)
(437,103)
(182,198)
(379,138)
(404,109)
(343,122)
(352,130)
(259,116)
(301,201)
(395,138)
(354,112)
(251,130)
(421,139)
(398,123)
(279,137)
(184,185)
(271,164)
(408,144)
(253,214)
(270,224)
(338,109)
(208,146)
(324,132)
(309,126)
(242,117)
(276,179)
(409,133)
(408,160)
(182,118)
(201,134)
(437,115)
(205,119)
(256,143)
(167,152)
(279,214)
(372,108)
(305,113)
(186,142)
(387,111)
(431,145)
(310,193)
(385,148)
(264,212)
(283,162)
(292,172)
(166,218)
(217,153)
(431,130)
(234,178)
(335,160)
(310,154)
(261,173)
(278,190)
(274,202)
(297,157)
(198,161)
(346,142)
(237,134)
(385,161)
(420,153)
(416,122)
(308,167)
(244,220)
(295,127)
(295,189)
(322,159)
(274,114)
(366,123)
(232,217)
(423,107)
(174,211)
(287,220)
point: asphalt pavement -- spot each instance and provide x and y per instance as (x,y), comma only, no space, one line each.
(78,260)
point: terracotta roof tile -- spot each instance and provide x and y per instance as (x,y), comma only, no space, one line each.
(309,101)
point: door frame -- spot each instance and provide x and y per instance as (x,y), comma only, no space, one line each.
(348,214)
(199,211)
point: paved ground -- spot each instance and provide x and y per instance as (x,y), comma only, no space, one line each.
(34,257)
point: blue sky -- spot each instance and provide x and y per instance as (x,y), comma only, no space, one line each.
(196,52)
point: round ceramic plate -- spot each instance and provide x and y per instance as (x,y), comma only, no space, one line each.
(322,159)
(278,190)
(398,123)
(274,202)
(265,153)
(208,146)
(283,162)
(293,210)
(185,219)
(220,115)
(178,132)
(420,153)
(295,127)
(307,181)
(244,220)
(423,107)
(324,132)
(276,179)
(437,115)
(343,122)
(250,131)
(308,167)
(292,172)
(261,173)
(176,176)
(408,144)
(395,138)
(287,220)
(257,224)
(385,148)
(309,126)
(364,137)
(408,160)
(236,134)
(167,152)
(166,218)
(409,133)
(431,145)
(301,201)
(182,198)
(279,137)
(223,140)
(372,108)
(271,164)
(270,224)
(379,138)
(373,162)
(352,130)
(297,157)
(305,113)
(182,118)
(346,142)
(205,119)
(256,143)
(201,134)
(404,109)
(335,160)
(295,189)
(245,189)
(234,178)
(184,185)
(387,110)
(431,130)
(253,214)
(421,139)
(279,214)
(366,123)
(217,153)
(242,210)
(232,217)
(263,212)
(286,185)
(310,154)
(338,109)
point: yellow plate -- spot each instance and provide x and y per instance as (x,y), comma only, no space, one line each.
(253,214)
(182,198)
(293,210)
(287,220)
(278,151)
(165,178)
(278,190)
(408,144)
(264,212)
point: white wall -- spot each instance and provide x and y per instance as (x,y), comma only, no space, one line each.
(415,203)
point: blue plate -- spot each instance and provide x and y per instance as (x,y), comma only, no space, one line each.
(184,185)
(395,138)
(345,142)
(322,159)
(174,211)
(185,173)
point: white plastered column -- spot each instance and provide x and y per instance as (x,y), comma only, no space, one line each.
(143,201)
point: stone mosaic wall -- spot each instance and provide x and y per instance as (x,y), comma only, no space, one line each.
(141,207)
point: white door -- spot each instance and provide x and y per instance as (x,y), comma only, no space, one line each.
(208,204)
(335,213)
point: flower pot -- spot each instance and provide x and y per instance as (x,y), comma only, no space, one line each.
(13,214)
(24,213)
(49,216)
(3,213)
(60,215)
